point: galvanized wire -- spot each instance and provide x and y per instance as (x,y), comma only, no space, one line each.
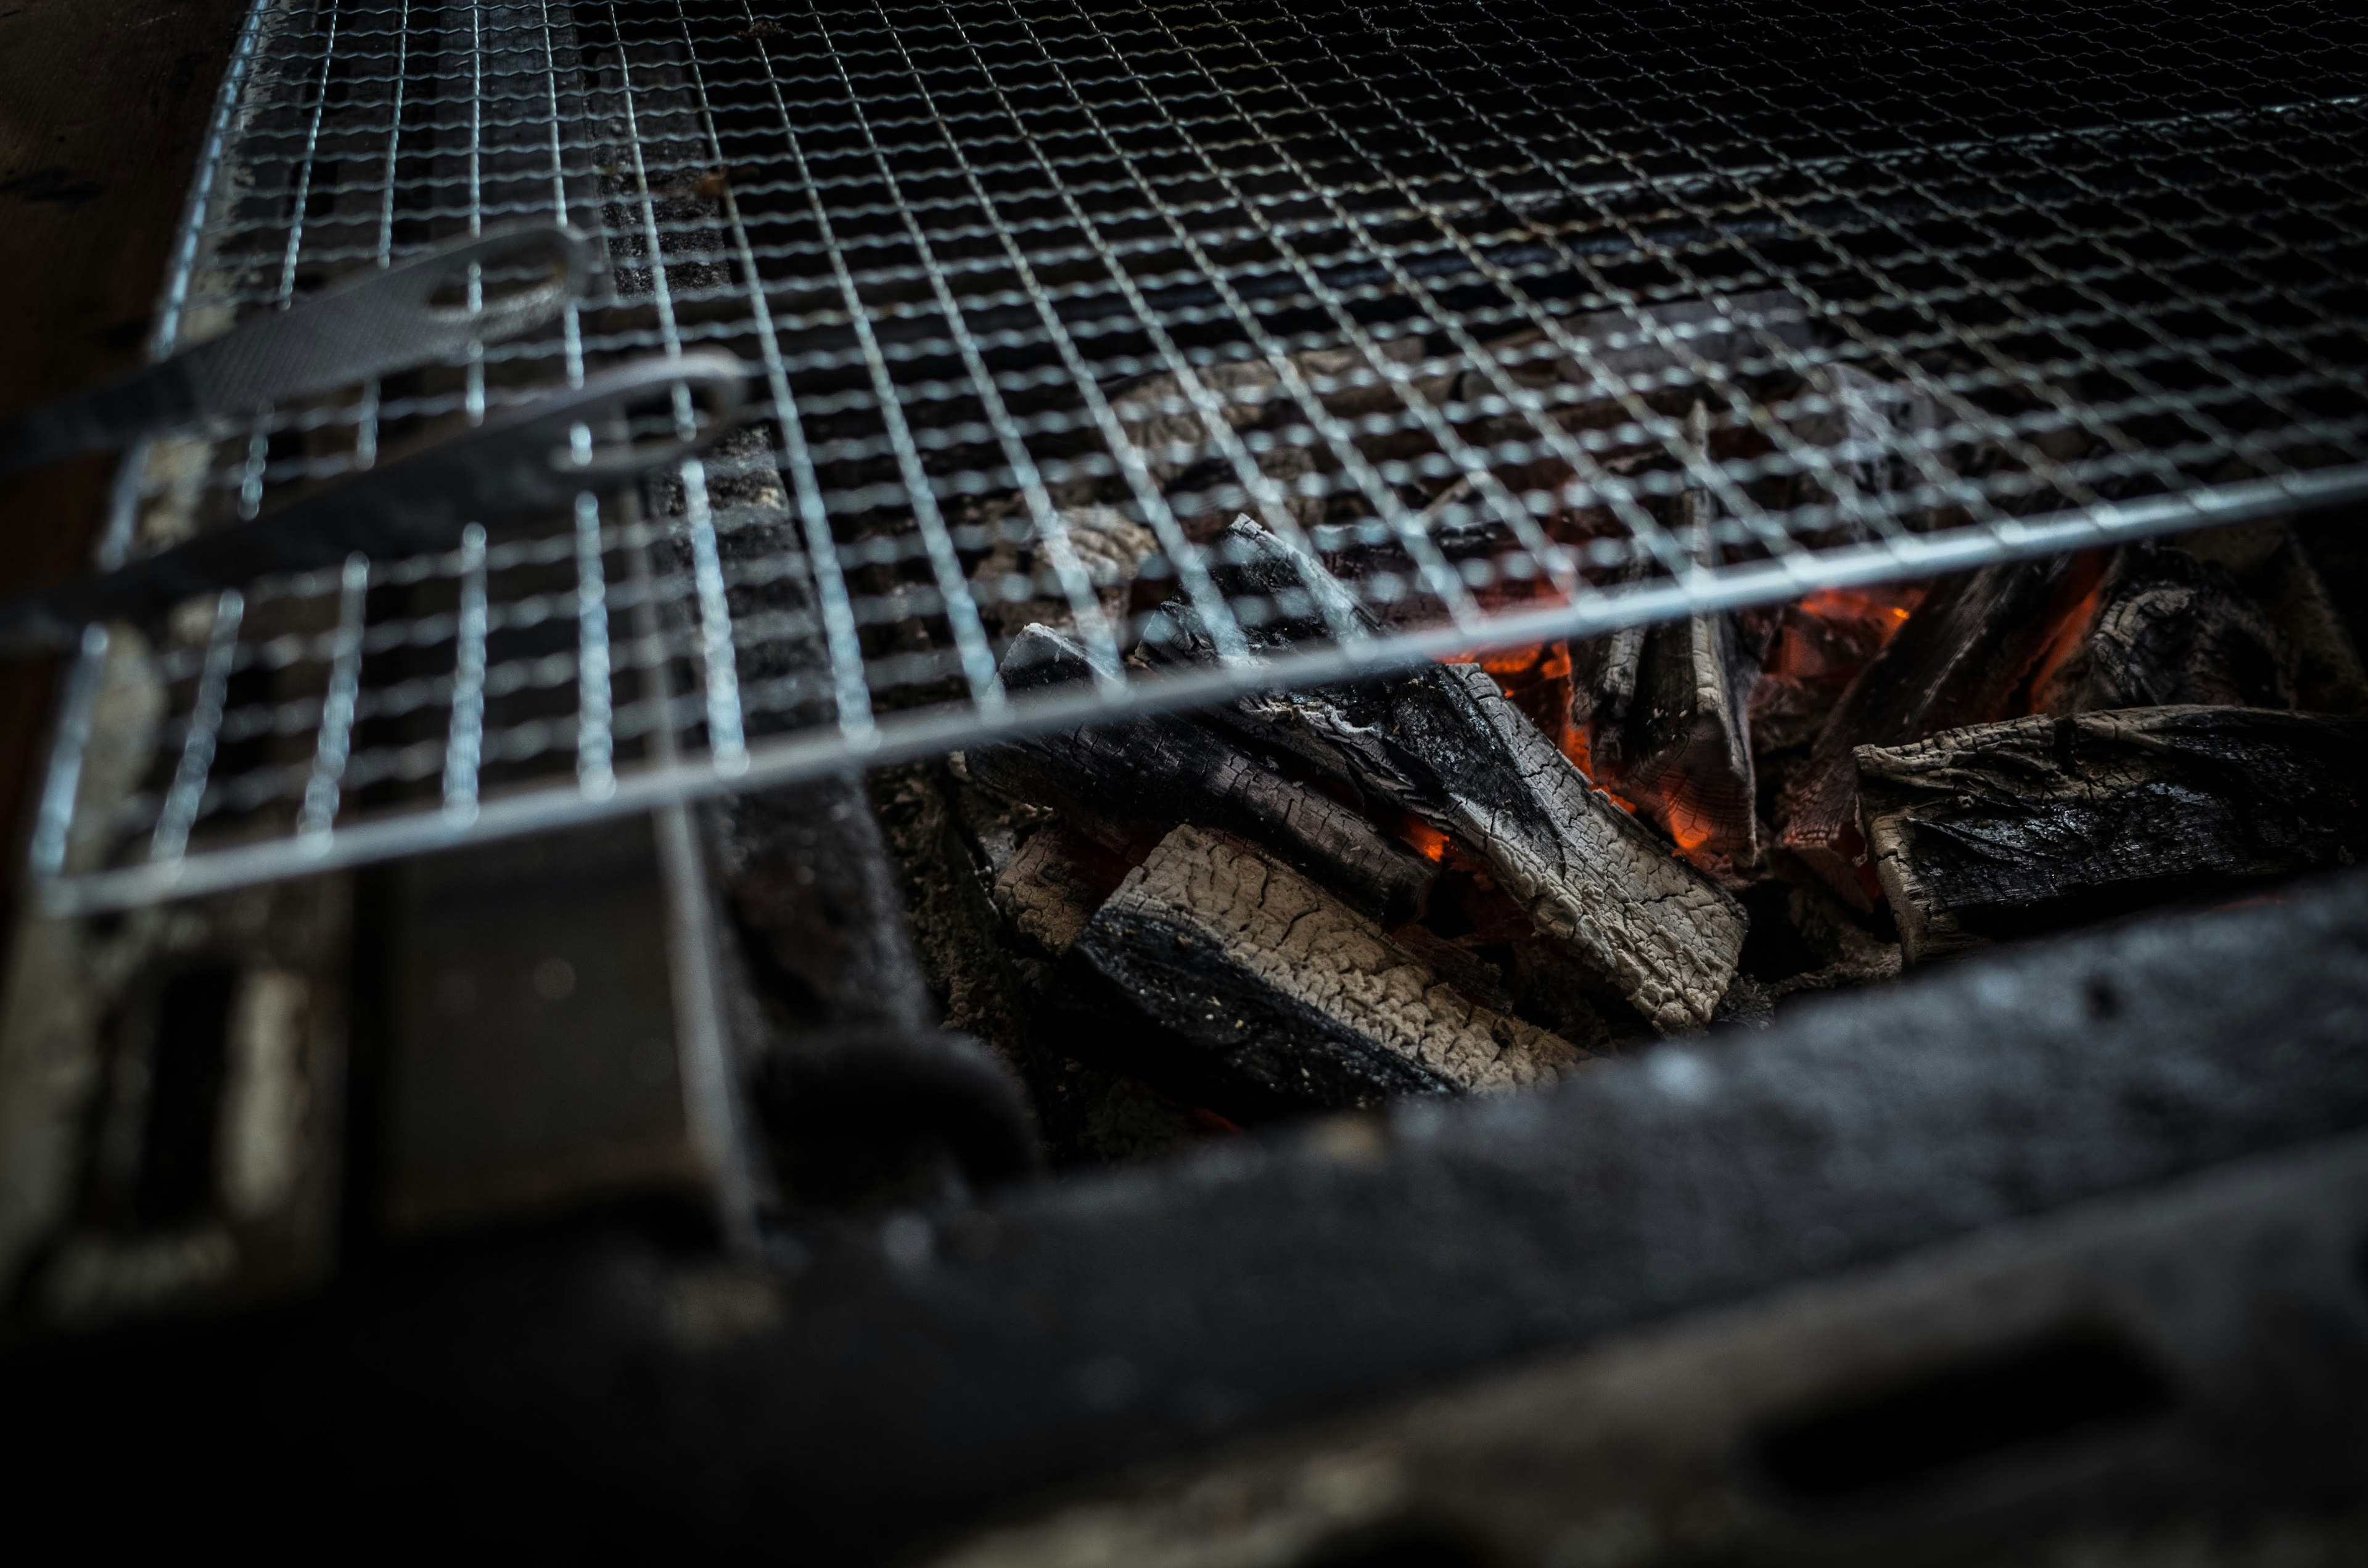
(1037,295)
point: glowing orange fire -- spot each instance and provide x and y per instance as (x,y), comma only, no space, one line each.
(1425,840)
(1822,640)
(2085,579)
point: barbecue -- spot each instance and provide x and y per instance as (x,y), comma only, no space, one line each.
(982,625)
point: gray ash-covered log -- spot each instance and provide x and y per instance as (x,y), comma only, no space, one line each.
(1110,778)
(1442,745)
(2008,829)
(1961,658)
(1258,993)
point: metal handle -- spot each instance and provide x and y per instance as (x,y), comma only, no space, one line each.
(524,464)
(428,309)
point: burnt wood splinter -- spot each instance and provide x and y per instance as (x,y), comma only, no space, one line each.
(1668,708)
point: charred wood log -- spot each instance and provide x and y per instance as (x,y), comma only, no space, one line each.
(1442,744)
(1165,771)
(1960,659)
(2168,628)
(1264,993)
(1667,711)
(1051,882)
(2317,661)
(1819,645)
(2005,829)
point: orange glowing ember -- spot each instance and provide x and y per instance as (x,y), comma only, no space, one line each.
(1826,638)
(1862,603)
(2086,578)
(1426,840)
(1693,830)
(1536,679)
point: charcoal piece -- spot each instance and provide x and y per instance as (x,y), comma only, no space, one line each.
(1264,993)
(2167,627)
(1817,645)
(1442,744)
(2317,659)
(1667,711)
(2031,824)
(1164,771)
(1048,889)
(1961,658)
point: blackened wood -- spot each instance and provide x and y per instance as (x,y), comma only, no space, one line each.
(1816,647)
(1680,747)
(1164,771)
(2034,823)
(1443,745)
(1963,653)
(2318,661)
(1261,993)
(1668,715)
(1049,889)
(2169,628)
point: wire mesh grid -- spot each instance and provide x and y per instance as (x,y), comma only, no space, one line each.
(1520,324)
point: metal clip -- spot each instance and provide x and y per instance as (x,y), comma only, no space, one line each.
(424,310)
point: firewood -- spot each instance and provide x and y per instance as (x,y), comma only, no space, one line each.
(1262,993)
(2317,660)
(1961,657)
(2167,627)
(1818,645)
(1048,890)
(1667,714)
(2005,829)
(1441,744)
(1163,771)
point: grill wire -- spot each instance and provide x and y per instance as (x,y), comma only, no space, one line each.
(1528,324)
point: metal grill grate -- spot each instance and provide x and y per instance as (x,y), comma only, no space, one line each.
(1528,323)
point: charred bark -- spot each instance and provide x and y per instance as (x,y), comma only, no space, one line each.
(2006,829)
(1441,744)
(1263,994)
(2317,661)
(2169,628)
(1961,658)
